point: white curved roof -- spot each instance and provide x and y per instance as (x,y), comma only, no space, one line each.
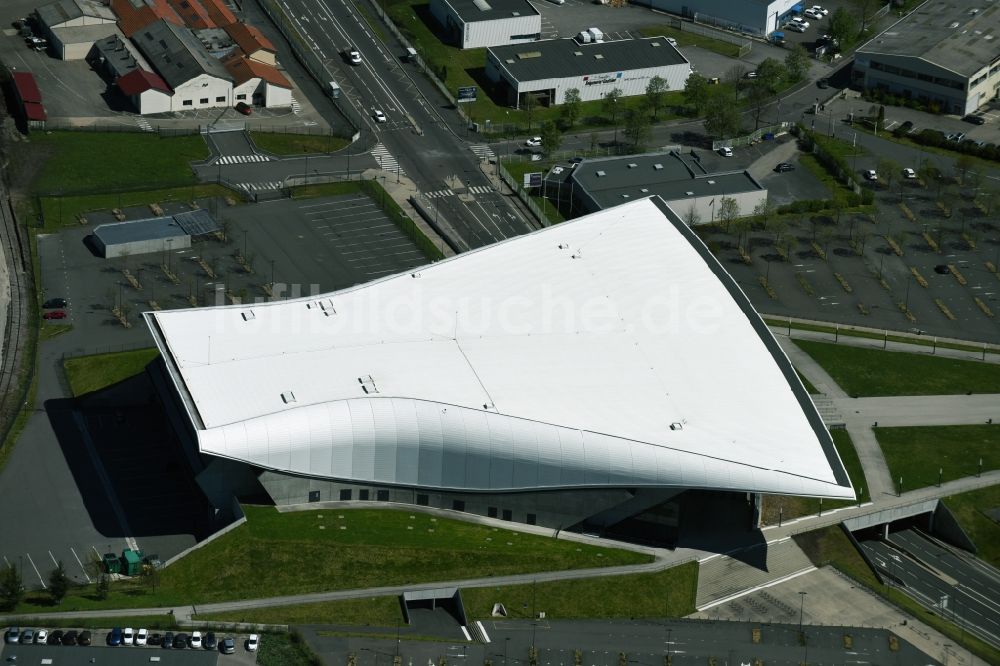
(610,350)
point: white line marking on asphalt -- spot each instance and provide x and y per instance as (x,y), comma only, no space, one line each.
(754,589)
(36,571)
(53,558)
(82,568)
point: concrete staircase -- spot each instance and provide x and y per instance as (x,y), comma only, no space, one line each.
(828,411)
(726,576)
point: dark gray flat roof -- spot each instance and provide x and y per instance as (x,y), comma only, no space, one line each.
(119,54)
(959,35)
(560,58)
(196,222)
(138,230)
(105,656)
(176,54)
(667,175)
(490,10)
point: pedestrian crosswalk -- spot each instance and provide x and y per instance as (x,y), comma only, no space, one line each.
(482,151)
(480,189)
(241,159)
(475,189)
(296,107)
(385,160)
(144,124)
(268,185)
(439,193)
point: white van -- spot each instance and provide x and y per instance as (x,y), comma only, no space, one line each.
(333,90)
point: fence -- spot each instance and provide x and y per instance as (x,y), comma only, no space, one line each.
(305,55)
(753,137)
(698,27)
(110,128)
(523,195)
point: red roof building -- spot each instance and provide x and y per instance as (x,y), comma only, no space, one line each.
(252,42)
(244,69)
(220,14)
(139,81)
(134,15)
(26,89)
(193,14)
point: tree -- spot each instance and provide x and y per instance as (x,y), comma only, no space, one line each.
(656,89)
(551,138)
(963,165)
(571,107)
(58,583)
(989,199)
(797,63)
(758,97)
(102,587)
(722,118)
(11,587)
(763,212)
(729,210)
(865,8)
(736,77)
(692,217)
(843,25)
(528,106)
(637,125)
(696,92)
(770,73)
(889,170)
(612,108)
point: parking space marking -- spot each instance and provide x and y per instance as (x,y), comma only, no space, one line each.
(40,580)
(82,568)
(53,558)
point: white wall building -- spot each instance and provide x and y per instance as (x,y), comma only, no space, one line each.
(547,69)
(72,26)
(258,83)
(474,24)
(754,17)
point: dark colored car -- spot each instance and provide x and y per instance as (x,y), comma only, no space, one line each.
(210,642)
(974,119)
(823,83)
(85,638)
(54,303)
(168,640)
(244,108)
(115,637)
(55,314)
(70,637)
(942,269)
(55,638)
(154,639)
(784,166)
(227,646)
(180,641)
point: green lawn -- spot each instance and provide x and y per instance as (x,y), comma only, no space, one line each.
(812,390)
(371,612)
(872,372)
(298,144)
(163,622)
(668,593)
(285,650)
(969,508)
(918,453)
(127,159)
(316,551)
(92,373)
(868,335)
(685,38)
(64,211)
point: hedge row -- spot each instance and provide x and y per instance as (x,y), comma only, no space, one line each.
(935,138)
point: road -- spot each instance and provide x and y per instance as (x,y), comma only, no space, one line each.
(415,135)
(950,587)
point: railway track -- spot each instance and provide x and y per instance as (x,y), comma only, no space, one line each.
(15,335)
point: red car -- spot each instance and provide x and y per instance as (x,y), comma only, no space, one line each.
(55,314)
(244,108)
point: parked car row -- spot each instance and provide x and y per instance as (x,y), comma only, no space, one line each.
(130,637)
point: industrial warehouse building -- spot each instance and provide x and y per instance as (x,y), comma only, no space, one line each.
(151,235)
(621,366)
(946,52)
(472,24)
(547,69)
(753,17)
(678,179)
(72,26)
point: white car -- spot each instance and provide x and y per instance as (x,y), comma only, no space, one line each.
(253,642)
(533,142)
(798,20)
(379,116)
(671,41)
(141,637)
(128,636)
(195,641)
(796,27)
(726,151)
(813,14)
(909,173)
(41,636)
(819,9)
(354,56)
(871,175)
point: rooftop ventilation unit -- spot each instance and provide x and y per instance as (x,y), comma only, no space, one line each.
(601,174)
(711,182)
(598,56)
(368,384)
(288,397)
(690,194)
(657,166)
(632,165)
(482,5)
(654,43)
(248,315)
(644,190)
(529,54)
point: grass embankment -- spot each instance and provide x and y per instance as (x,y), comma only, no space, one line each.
(466,67)
(298,144)
(129,160)
(872,372)
(279,649)
(638,595)
(831,546)
(317,551)
(970,511)
(796,507)
(812,390)
(163,622)
(97,371)
(870,335)
(685,38)
(917,454)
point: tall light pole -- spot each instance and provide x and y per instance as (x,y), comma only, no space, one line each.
(506,646)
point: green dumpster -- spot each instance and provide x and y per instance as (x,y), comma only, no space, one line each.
(131,562)
(111,563)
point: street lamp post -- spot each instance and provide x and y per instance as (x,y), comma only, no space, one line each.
(506,647)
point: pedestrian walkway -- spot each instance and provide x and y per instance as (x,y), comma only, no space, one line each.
(385,160)
(259,187)
(439,193)
(482,151)
(480,189)
(240,159)
(721,578)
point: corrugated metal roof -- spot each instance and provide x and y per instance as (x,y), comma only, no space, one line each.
(472,11)
(176,54)
(150,228)
(610,350)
